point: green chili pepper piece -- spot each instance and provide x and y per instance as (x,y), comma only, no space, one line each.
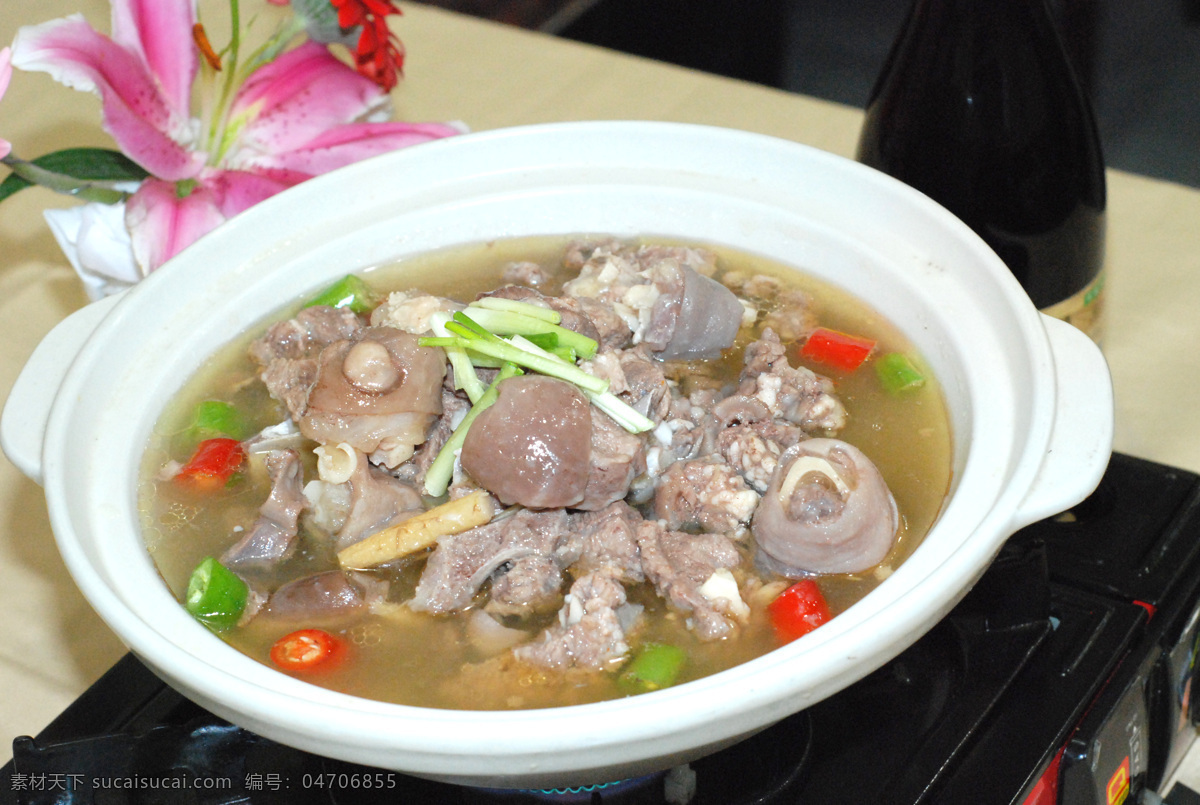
(214,418)
(350,292)
(898,374)
(656,666)
(216,596)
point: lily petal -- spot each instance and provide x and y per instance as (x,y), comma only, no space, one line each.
(162,223)
(301,95)
(5,75)
(237,191)
(160,34)
(136,114)
(350,143)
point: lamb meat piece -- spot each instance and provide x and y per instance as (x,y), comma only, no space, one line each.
(796,394)
(461,563)
(645,385)
(532,446)
(611,330)
(454,408)
(289,380)
(305,335)
(526,585)
(378,393)
(754,457)
(616,458)
(377,500)
(525,273)
(329,594)
(678,564)
(589,633)
(606,538)
(704,493)
(665,295)
(272,537)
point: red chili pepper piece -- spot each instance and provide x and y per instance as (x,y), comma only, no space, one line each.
(838,349)
(798,610)
(305,650)
(213,464)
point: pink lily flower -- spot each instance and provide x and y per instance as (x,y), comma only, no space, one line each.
(303,114)
(5,75)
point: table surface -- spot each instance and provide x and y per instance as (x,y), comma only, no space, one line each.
(489,76)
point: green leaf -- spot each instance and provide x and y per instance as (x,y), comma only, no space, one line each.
(82,164)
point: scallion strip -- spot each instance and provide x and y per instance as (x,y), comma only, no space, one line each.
(464,370)
(502,322)
(477,339)
(441,471)
(517,306)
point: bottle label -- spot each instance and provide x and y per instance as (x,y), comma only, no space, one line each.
(1084,309)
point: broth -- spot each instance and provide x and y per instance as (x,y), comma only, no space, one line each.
(400,655)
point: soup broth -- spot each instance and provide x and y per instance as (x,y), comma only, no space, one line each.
(393,652)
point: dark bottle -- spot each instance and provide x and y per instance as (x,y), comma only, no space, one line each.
(979,108)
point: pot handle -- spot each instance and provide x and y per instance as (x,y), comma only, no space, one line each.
(27,410)
(1081,437)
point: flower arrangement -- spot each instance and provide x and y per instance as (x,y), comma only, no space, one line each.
(202,134)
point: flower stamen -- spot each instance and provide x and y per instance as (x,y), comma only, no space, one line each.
(205,47)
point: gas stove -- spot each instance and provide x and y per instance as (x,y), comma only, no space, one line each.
(1064,676)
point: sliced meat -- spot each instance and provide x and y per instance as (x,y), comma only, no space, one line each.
(461,563)
(679,564)
(532,446)
(704,493)
(378,393)
(272,537)
(827,510)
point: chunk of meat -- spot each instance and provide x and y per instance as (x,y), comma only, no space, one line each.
(377,500)
(795,394)
(330,594)
(606,538)
(272,537)
(616,457)
(532,446)
(827,510)
(411,311)
(666,297)
(679,564)
(305,335)
(589,633)
(461,563)
(526,585)
(378,394)
(704,493)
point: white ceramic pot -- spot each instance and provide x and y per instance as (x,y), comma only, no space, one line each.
(1030,399)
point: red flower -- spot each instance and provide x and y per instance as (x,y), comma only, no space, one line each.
(379,55)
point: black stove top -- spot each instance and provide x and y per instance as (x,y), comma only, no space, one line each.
(1064,676)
